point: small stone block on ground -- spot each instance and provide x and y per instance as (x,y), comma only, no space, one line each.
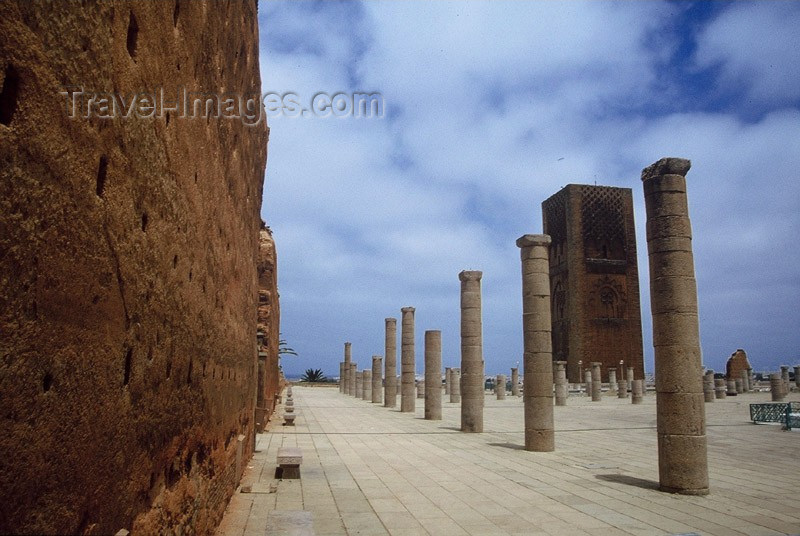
(290,523)
(289,460)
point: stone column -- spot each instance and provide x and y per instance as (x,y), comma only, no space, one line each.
(597,391)
(377,370)
(352,379)
(720,389)
(447,379)
(562,387)
(359,384)
(776,387)
(366,385)
(537,349)
(342,376)
(500,386)
(636,392)
(738,386)
(629,379)
(785,377)
(622,389)
(750,379)
(731,384)
(587,376)
(471,352)
(390,352)
(455,385)
(745,381)
(349,388)
(797,376)
(515,381)
(612,379)
(708,386)
(421,389)
(680,413)
(407,366)
(433,375)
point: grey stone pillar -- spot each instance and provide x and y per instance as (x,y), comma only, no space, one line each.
(500,386)
(447,380)
(622,389)
(515,381)
(562,387)
(637,391)
(471,352)
(720,389)
(597,391)
(750,379)
(731,385)
(738,386)
(708,386)
(629,379)
(390,352)
(377,370)
(680,421)
(587,376)
(349,388)
(433,375)
(537,349)
(455,385)
(785,377)
(352,379)
(407,366)
(797,376)
(366,385)
(421,389)
(745,382)
(776,387)
(612,379)
(341,376)
(359,384)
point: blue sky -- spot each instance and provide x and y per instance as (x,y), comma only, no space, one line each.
(490,108)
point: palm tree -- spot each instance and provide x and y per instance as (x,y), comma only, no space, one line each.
(284,349)
(313,376)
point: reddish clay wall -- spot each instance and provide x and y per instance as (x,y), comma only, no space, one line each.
(128,283)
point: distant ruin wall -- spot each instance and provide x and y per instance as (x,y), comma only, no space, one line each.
(128,283)
(268,329)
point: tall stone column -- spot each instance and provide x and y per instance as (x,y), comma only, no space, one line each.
(366,385)
(680,421)
(587,377)
(455,385)
(421,389)
(341,376)
(377,370)
(407,367)
(785,377)
(359,384)
(597,386)
(537,349)
(745,381)
(776,387)
(447,379)
(622,389)
(515,381)
(390,352)
(708,386)
(637,392)
(629,379)
(348,387)
(797,376)
(720,388)
(612,379)
(433,375)
(562,387)
(352,378)
(500,386)
(471,352)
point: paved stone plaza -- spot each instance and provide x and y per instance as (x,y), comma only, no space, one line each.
(368,469)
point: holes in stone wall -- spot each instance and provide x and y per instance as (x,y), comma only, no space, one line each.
(9,95)
(144,222)
(128,358)
(176,12)
(149,354)
(169,368)
(190,275)
(174,262)
(102,168)
(47,382)
(189,374)
(132,40)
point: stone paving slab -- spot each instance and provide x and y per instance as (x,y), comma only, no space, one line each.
(373,470)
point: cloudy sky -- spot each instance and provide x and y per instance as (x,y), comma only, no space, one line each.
(491,107)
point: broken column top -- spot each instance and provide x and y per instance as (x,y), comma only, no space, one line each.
(390,319)
(470,275)
(667,166)
(407,310)
(528,240)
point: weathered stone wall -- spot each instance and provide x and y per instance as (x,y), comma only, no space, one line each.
(268,328)
(594,279)
(737,363)
(128,285)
